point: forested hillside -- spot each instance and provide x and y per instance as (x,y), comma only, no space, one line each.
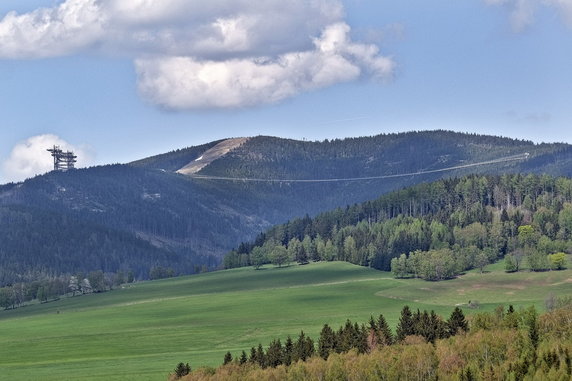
(144,214)
(433,231)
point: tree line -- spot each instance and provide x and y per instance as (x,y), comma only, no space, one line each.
(362,338)
(433,231)
(51,289)
(502,344)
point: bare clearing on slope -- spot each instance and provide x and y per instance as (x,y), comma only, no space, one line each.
(211,155)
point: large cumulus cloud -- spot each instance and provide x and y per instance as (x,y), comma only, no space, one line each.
(204,54)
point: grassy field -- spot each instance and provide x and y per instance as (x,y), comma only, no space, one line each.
(142,331)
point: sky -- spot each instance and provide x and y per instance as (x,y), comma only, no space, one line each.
(119,80)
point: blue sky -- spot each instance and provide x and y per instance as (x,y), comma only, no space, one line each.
(131,82)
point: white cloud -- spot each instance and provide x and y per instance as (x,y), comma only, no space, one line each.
(187,83)
(523,12)
(564,7)
(51,32)
(30,158)
(204,54)
(206,29)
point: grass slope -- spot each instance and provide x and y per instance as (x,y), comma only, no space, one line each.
(140,332)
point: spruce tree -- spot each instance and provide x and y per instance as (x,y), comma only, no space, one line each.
(424,326)
(227,358)
(304,348)
(252,359)
(405,326)
(301,255)
(346,337)
(326,343)
(362,346)
(243,358)
(274,354)
(457,322)
(288,351)
(384,332)
(182,370)
(533,331)
(372,324)
(260,356)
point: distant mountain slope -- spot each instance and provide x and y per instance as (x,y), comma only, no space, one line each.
(388,154)
(200,219)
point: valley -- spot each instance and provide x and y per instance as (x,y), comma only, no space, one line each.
(142,330)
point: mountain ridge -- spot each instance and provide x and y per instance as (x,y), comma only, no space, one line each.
(198,220)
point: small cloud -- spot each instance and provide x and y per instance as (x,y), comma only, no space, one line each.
(30,158)
(538,118)
(531,118)
(523,12)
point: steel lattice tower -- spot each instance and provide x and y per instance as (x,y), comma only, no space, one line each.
(63,161)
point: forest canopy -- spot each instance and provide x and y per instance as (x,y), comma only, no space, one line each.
(434,230)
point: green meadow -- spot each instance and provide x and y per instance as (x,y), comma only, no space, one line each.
(141,331)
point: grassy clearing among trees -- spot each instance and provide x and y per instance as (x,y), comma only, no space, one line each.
(142,331)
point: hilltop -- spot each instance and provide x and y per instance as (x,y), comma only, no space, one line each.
(147,213)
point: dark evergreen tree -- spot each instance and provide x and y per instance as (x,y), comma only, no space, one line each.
(361,338)
(345,337)
(327,342)
(227,358)
(533,331)
(182,370)
(261,356)
(288,351)
(243,358)
(253,358)
(301,255)
(406,324)
(274,354)
(457,322)
(384,332)
(303,348)
(439,328)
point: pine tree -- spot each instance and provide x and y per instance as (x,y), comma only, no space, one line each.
(243,358)
(301,255)
(362,346)
(303,349)
(288,351)
(533,331)
(326,343)
(182,370)
(345,337)
(274,354)
(253,358)
(405,326)
(385,335)
(260,356)
(227,358)
(457,322)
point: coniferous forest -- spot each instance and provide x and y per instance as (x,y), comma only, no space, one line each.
(433,231)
